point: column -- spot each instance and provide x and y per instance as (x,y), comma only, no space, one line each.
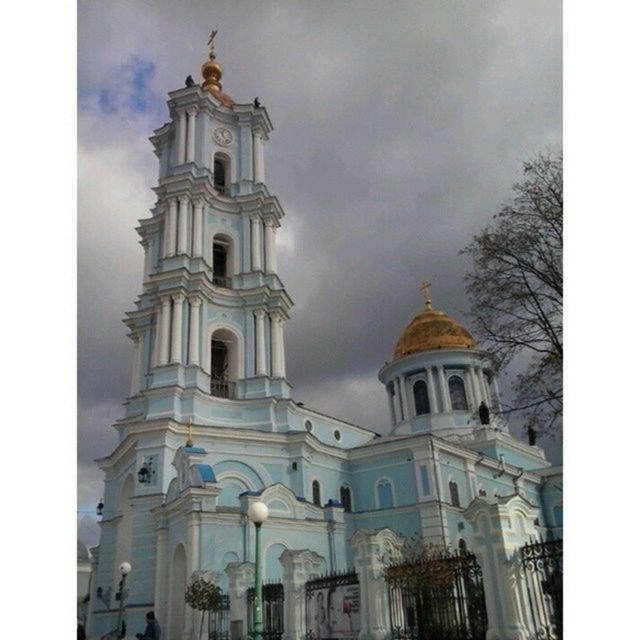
(182,136)
(298,568)
(261,366)
(433,404)
(470,386)
(405,397)
(256,254)
(500,529)
(193,564)
(194,331)
(146,244)
(392,410)
(478,385)
(484,386)
(183,225)
(176,337)
(170,228)
(137,359)
(496,393)
(198,212)
(277,362)
(444,392)
(258,157)
(369,548)
(191,135)
(241,577)
(397,400)
(161,579)
(165,326)
(270,246)
(155,350)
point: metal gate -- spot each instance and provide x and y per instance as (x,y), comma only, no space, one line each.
(219,621)
(452,610)
(542,563)
(272,610)
(332,607)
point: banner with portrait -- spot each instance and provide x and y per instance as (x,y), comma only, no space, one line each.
(333,612)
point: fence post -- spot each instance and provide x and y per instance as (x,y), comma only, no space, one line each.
(369,547)
(299,566)
(501,526)
(241,575)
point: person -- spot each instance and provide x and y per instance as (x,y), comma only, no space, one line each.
(82,634)
(152,632)
(483,412)
(532,435)
(320,617)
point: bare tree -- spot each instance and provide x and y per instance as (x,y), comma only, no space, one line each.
(515,289)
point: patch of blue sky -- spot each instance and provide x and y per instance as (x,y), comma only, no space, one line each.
(126,90)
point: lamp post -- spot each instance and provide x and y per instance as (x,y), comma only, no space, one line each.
(258,513)
(125,567)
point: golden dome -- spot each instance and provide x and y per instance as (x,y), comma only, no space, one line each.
(212,72)
(431,330)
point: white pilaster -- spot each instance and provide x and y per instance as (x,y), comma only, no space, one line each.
(397,401)
(472,392)
(182,137)
(483,385)
(176,337)
(146,244)
(241,577)
(256,253)
(405,397)
(433,405)
(194,331)
(444,391)
(277,362)
(191,134)
(155,351)
(161,579)
(270,246)
(183,225)
(165,326)
(298,568)
(392,410)
(137,362)
(258,157)
(198,209)
(261,366)
(171,228)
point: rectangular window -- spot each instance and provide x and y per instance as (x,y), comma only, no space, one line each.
(424,476)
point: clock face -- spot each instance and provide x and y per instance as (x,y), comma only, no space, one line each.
(223,136)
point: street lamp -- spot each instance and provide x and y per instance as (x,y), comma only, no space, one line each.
(258,513)
(125,567)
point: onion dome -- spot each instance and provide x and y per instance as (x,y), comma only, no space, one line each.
(212,72)
(431,330)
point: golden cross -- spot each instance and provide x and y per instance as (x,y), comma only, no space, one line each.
(189,438)
(425,291)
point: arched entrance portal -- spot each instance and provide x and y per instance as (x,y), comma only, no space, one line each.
(178,587)
(224,363)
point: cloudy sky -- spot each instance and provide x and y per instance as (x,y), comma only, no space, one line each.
(399,130)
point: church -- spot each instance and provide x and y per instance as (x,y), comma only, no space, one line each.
(211,427)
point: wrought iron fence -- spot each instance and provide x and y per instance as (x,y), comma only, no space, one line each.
(272,610)
(223,389)
(219,620)
(332,606)
(542,564)
(450,608)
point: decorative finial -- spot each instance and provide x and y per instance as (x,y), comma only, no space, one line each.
(211,44)
(425,292)
(189,437)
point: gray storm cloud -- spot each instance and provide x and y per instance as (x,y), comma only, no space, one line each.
(399,129)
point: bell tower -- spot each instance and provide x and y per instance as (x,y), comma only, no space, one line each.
(208,327)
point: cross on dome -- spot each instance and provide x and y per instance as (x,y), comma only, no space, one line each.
(425,292)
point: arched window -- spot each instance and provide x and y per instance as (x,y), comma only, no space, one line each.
(345,498)
(421,398)
(385,494)
(315,490)
(453,491)
(221,173)
(457,394)
(308,426)
(462,547)
(221,261)
(224,363)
